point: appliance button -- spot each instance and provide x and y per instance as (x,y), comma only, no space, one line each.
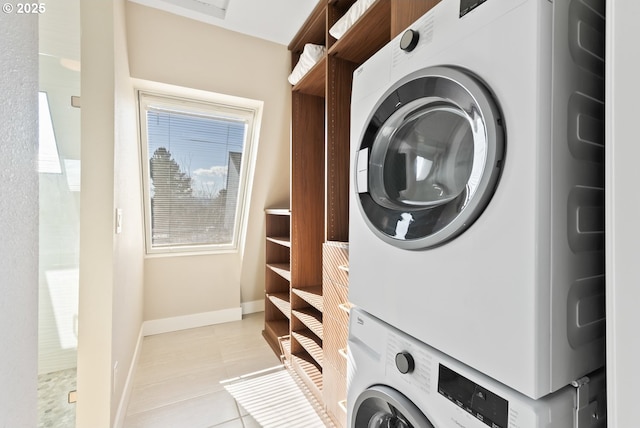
(404,362)
(409,40)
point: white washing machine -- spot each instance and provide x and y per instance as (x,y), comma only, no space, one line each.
(396,381)
(477,201)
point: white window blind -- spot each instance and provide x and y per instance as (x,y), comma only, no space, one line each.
(195,172)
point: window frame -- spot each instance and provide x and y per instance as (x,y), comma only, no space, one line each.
(208,105)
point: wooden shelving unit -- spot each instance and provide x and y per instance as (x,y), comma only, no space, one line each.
(277,279)
(306,317)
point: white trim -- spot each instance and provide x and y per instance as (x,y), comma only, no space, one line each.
(252,307)
(167,325)
(121,413)
(213,106)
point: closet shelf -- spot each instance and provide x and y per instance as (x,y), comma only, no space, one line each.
(313,82)
(282,269)
(278,211)
(310,344)
(285,241)
(281,301)
(311,295)
(365,37)
(312,319)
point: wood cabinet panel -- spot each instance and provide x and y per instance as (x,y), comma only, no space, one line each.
(339,80)
(406,12)
(307,189)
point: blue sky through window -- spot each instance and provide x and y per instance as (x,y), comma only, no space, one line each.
(200,145)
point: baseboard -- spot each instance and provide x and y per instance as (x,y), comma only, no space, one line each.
(167,325)
(253,306)
(128,386)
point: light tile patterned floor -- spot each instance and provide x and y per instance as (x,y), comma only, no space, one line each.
(54,409)
(181,377)
(273,398)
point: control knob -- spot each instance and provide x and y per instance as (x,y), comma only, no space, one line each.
(404,362)
(409,40)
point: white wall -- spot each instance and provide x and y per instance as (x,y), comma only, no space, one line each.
(18,220)
(178,51)
(111,265)
(128,248)
(623,212)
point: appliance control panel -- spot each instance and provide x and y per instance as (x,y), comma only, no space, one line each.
(467,6)
(481,403)
(404,362)
(409,40)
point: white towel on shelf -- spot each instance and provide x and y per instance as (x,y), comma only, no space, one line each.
(311,54)
(348,19)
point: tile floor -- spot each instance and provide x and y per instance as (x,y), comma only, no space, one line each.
(54,409)
(186,378)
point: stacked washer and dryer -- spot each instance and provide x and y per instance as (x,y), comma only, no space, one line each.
(477,220)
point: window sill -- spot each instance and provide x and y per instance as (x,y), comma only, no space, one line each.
(190,253)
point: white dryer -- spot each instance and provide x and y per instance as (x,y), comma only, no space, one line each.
(477,201)
(396,381)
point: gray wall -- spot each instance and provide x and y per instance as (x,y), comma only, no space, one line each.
(18,220)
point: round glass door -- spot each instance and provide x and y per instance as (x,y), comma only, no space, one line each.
(429,158)
(383,407)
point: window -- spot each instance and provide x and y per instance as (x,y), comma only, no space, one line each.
(196,157)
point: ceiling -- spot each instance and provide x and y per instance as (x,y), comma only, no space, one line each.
(274,20)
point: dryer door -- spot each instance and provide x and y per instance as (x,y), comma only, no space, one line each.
(429,158)
(384,407)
